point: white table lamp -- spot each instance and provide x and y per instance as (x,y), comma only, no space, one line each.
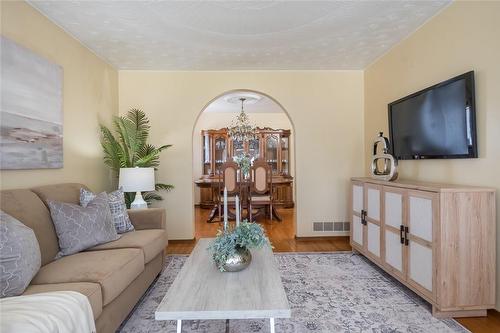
(137,180)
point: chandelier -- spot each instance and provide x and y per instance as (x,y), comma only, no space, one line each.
(241,129)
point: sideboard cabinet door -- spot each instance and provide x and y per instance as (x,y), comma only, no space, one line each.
(393,220)
(373,195)
(357,203)
(421,223)
(357,209)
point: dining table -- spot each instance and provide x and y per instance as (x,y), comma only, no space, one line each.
(244,185)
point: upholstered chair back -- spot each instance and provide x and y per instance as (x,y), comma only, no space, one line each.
(230,177)
(260,176)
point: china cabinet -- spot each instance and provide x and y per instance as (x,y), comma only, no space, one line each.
(437,239)
(271,144)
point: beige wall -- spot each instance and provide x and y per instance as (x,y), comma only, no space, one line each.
(217,120)
(90,95)
(465,36)
(326,109)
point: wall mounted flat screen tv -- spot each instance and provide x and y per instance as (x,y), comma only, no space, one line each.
(437,122)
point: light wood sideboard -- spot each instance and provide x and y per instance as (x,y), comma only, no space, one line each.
(437,239)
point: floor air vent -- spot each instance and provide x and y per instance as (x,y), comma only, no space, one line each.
(331,226)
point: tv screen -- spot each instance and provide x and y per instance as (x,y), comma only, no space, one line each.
(437,122)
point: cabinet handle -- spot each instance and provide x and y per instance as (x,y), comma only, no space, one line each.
(401,231)
(406,236)
(363,217)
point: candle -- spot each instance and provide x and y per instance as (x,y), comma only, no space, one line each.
(225,208)
(237,203)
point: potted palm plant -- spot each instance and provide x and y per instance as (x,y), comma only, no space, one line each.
(128,148)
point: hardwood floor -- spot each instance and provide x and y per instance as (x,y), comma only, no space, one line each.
(282,236)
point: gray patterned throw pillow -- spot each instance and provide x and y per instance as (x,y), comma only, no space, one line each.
(79,228)
(20,257)
(117,206)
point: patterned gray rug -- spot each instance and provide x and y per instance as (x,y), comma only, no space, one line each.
(334,292)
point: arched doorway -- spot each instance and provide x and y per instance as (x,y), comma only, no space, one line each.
(211,148)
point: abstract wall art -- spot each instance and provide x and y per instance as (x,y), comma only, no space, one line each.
(31,115)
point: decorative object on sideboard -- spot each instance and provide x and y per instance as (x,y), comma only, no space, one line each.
(390,164)
(137,180)
(31,111)
(231,248)
(129,149)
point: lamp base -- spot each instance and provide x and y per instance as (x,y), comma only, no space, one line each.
(139,202)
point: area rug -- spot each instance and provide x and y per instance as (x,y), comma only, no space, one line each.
(327,292)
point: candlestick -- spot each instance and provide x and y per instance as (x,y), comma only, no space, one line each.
(237,203)
(225,208)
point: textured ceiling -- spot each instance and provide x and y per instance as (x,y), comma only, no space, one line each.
(239,35)
(263,105)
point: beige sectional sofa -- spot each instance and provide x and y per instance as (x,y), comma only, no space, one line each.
(113,275)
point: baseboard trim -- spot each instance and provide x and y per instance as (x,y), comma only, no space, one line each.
(180,241)
(311,238)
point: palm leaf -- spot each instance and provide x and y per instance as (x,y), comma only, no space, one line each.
(148,156)
(150,196)
(165,187)
(163,147)
(152,160)
(124,128)
(141,123)
(146,150)
(113,152)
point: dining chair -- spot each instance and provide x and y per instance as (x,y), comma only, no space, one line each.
(261,188)
(229,173)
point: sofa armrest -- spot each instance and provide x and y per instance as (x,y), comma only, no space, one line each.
(150,218)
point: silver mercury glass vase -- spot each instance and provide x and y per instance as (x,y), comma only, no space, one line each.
(239,261)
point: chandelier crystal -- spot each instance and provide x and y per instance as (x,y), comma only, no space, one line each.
(241,129)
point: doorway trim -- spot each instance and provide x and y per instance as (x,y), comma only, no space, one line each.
(294,141)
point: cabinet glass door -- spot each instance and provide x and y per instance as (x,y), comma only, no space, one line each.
(253,148)
(220,152)
(285,157)
(272,142)
(206,155)
(238,148)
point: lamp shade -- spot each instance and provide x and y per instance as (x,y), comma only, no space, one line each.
(137,179)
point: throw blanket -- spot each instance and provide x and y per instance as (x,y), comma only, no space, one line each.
(52,312)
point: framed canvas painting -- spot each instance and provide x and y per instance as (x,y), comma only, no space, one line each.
(31,116)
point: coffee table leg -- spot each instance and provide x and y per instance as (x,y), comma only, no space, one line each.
(179,326)
(271,322)
(227,325)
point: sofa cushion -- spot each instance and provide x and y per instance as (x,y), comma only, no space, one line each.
(67,192)
(151,242)
(91,290)
(26,206)
(79,228)
(114,270)
(19,256)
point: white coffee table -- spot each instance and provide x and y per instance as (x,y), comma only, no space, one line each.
(201,292)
